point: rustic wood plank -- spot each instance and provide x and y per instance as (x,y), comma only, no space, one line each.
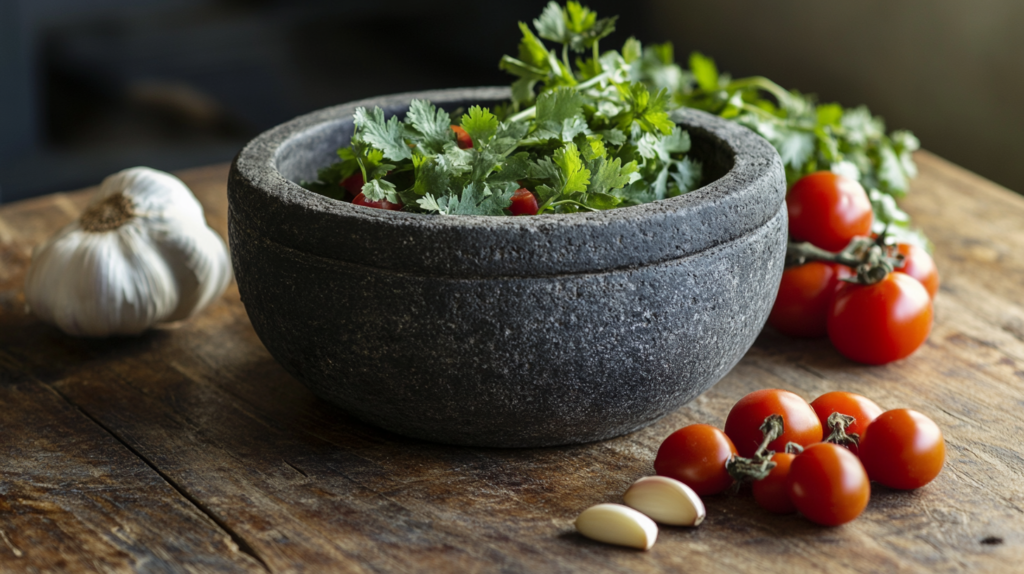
(306,487)
(74,499)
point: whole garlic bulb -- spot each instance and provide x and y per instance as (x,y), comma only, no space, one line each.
(140,254)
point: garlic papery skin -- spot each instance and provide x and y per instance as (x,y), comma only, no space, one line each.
(140,254)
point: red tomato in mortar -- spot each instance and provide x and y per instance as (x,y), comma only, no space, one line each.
(523,202)
(353,184)
(462,138)
(382,204)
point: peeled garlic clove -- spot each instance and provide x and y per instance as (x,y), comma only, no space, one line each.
(617,524)
(666,500)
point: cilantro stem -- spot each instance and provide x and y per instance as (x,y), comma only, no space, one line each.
(781,94)
(531,112)
(564,201)
(565,57)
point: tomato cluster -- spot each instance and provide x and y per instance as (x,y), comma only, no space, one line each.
(775,439)
(873,322)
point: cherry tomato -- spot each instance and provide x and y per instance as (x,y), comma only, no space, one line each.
(353,184)
(919,265)
(382,204)
(696,455)
(772,492)
(862,409)
(828,210)
(828,484)
(462,138)
(903,449)
(523,202)
(880,323)
(800,424)
(805,297)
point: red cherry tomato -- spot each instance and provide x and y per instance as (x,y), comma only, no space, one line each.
(523,202)
(353,184)
(696,455)
(880,323)
(828,485)
(919,265)
(382,204)
(862,409)
(828,210)
(800,424)
(805,297)
(903,449)
(462,138)
(772,492)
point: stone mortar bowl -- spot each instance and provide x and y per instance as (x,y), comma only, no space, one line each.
(506,331)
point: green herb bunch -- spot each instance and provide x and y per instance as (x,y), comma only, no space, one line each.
(582,136)
(809,136)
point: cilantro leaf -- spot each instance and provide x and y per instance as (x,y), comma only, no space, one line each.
(378,189)
(574,176)
(551,24)
(482,163)
(431,123)
(574,26)
(794,146)
(516,167)
(646,110)
(432,176)
(480,124)
(686,175)
(704,71)
(531,50)
(387,136)
(476,199)
(555,107)
(609,175)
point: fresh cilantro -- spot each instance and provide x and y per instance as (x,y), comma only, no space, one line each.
(378,189)
(574,176)
(595,133)
(432,125)
(480,124)
(386,136)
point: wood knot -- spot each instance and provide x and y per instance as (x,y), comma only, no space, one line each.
(111,213)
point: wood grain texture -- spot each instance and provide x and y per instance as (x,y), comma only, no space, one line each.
(214,458)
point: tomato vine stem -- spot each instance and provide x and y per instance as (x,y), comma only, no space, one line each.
(757,467)
(872,259)
(837,424)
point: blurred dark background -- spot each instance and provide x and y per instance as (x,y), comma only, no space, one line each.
(88,87)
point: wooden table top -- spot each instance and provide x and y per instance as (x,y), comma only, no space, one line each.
(190,449)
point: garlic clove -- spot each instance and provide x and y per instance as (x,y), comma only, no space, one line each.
(198,259)
(617,524)
(666,500)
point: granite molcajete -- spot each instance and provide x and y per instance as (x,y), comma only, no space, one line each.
(506,331)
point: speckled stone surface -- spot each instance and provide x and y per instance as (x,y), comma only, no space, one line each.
(502,331)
